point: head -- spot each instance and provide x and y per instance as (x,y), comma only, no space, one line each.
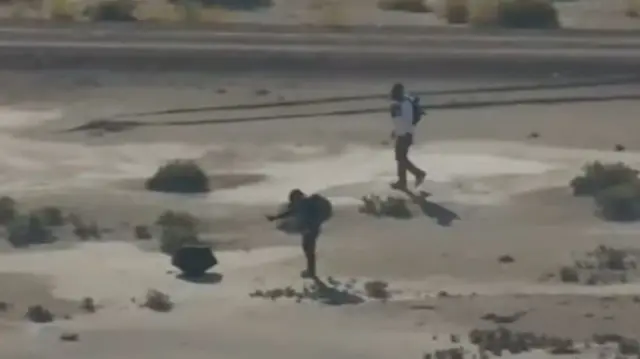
(296,195)
(397,91)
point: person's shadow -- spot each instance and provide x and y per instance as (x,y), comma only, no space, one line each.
(331,295)
(441,214)
(207,278)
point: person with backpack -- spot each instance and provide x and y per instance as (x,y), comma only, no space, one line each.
(406,112)
(310,213)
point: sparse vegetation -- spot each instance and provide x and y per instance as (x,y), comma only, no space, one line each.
(604,265)
(539,14)
(615,188)
(177,219)
(39,314)
(142,232)
(50,216)
(179,176)
(173,238)
(158,301)
(82,229)
(112,10)
(29,229)
(8,210)
(418,6)
(377,289)
(393,207)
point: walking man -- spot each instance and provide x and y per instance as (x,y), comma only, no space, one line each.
(310,212)
(405,113)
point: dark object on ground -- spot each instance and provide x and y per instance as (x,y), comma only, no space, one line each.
(175,237)
(377,289)
(158,301)
(262,92)
(177,218)
(27,230)
(50,216)
(4,306)
(39,314)
(69,337)
(569,275)
(506,259)
(318,291)
(179,176)
(417,6)
(619,148)
(142,232)
(533,135)
(528,14)
(393,207)
(8,210)
(597,177)
(84,230)
(504,319)
(238,5)
(88,305)
(194,260)
(112,10)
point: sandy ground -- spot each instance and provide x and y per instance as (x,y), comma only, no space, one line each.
(493,191)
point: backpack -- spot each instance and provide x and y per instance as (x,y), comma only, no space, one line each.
(322,207)
(418,111)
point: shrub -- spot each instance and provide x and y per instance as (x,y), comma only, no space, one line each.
(112,10)
(82,229)
(173,238)
(142,232)
(620,202)
(177,218)
(377,289)
(8,210)
(404,5)
(456,12)
(158,301)
(598,177)
(50,216)
(179,176)
(539,14)
(39,314)
(27,230)
(389,207)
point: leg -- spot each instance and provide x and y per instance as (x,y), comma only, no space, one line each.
(413,169)
(309,239)
(401,151)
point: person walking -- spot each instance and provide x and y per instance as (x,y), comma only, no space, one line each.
(310,213)
(405,114)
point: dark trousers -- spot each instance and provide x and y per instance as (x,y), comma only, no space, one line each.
(403,143)
(309,240)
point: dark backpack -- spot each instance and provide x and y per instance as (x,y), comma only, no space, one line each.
(322,207)
(418,111)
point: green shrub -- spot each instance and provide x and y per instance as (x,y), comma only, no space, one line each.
(536,14)
(50,216)
(173,238)
(112,10)
(598,177)
(418,6)
(8,210)
(620,202)
(179,176)
(28,229)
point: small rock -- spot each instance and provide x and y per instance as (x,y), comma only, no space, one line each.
(158,301)
(69,337)
(506,259)
(619,148)
(533,135)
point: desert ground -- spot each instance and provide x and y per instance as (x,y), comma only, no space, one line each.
(499,151)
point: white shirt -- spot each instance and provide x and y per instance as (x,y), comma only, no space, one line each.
(402,116)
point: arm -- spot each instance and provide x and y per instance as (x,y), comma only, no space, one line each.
(288,212)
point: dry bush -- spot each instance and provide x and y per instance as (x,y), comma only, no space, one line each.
(8,209)
(112,10)
(29,229)
(82,229)
(620,203)
(177,219)
(179,176)
(531,14)
(419,6)
(598,176)
(158,301)
(389,207)
(377,289)
(39,314)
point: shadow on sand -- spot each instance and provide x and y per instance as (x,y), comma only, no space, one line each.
(207,278)
(442,215)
